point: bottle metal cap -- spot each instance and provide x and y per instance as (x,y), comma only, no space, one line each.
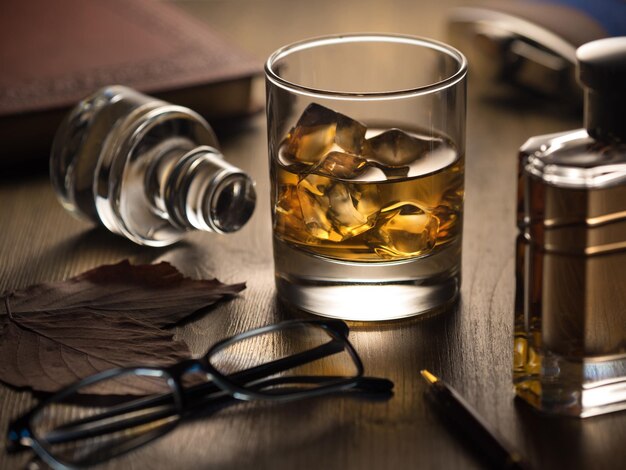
(602,65)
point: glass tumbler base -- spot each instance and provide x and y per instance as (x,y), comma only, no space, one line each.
(367,291)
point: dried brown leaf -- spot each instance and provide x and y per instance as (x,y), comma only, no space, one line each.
(56,333)
(154,293)
(47,351)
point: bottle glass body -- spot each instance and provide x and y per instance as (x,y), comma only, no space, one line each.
(570,313)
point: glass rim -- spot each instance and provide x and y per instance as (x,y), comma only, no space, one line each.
(321,41)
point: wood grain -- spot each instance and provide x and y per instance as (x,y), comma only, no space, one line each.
(470,345)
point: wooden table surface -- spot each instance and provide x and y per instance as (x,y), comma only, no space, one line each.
(469,346)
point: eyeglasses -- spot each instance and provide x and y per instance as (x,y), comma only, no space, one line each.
(118,410)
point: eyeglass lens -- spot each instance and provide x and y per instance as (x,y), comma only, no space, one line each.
(99,421)
(299,350)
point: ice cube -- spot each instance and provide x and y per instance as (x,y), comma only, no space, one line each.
(348,211)
(288,214)
(352,167)
(397,148)
(392,172)
(335,210)
(288,162)
(350,134)
(315,205)
(341,165)
(405,230)
(449,225)
(320,130)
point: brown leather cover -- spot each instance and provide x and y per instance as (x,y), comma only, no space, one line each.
(54,53)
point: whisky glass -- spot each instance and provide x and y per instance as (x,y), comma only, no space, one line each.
(366,136)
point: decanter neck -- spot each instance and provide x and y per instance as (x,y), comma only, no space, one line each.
(204,192)
(604,116)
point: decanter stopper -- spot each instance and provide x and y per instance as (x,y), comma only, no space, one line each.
(146,169)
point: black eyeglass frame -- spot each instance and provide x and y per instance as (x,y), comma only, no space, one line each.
(21,435)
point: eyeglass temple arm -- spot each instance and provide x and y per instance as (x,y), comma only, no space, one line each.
(244,376)
(279,365)
(377,385)
(81,430)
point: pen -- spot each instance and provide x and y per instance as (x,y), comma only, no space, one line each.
(492,445)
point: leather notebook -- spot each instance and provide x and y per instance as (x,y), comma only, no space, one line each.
(55,53)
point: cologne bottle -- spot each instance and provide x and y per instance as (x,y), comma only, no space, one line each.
(570,323)
(146,169)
